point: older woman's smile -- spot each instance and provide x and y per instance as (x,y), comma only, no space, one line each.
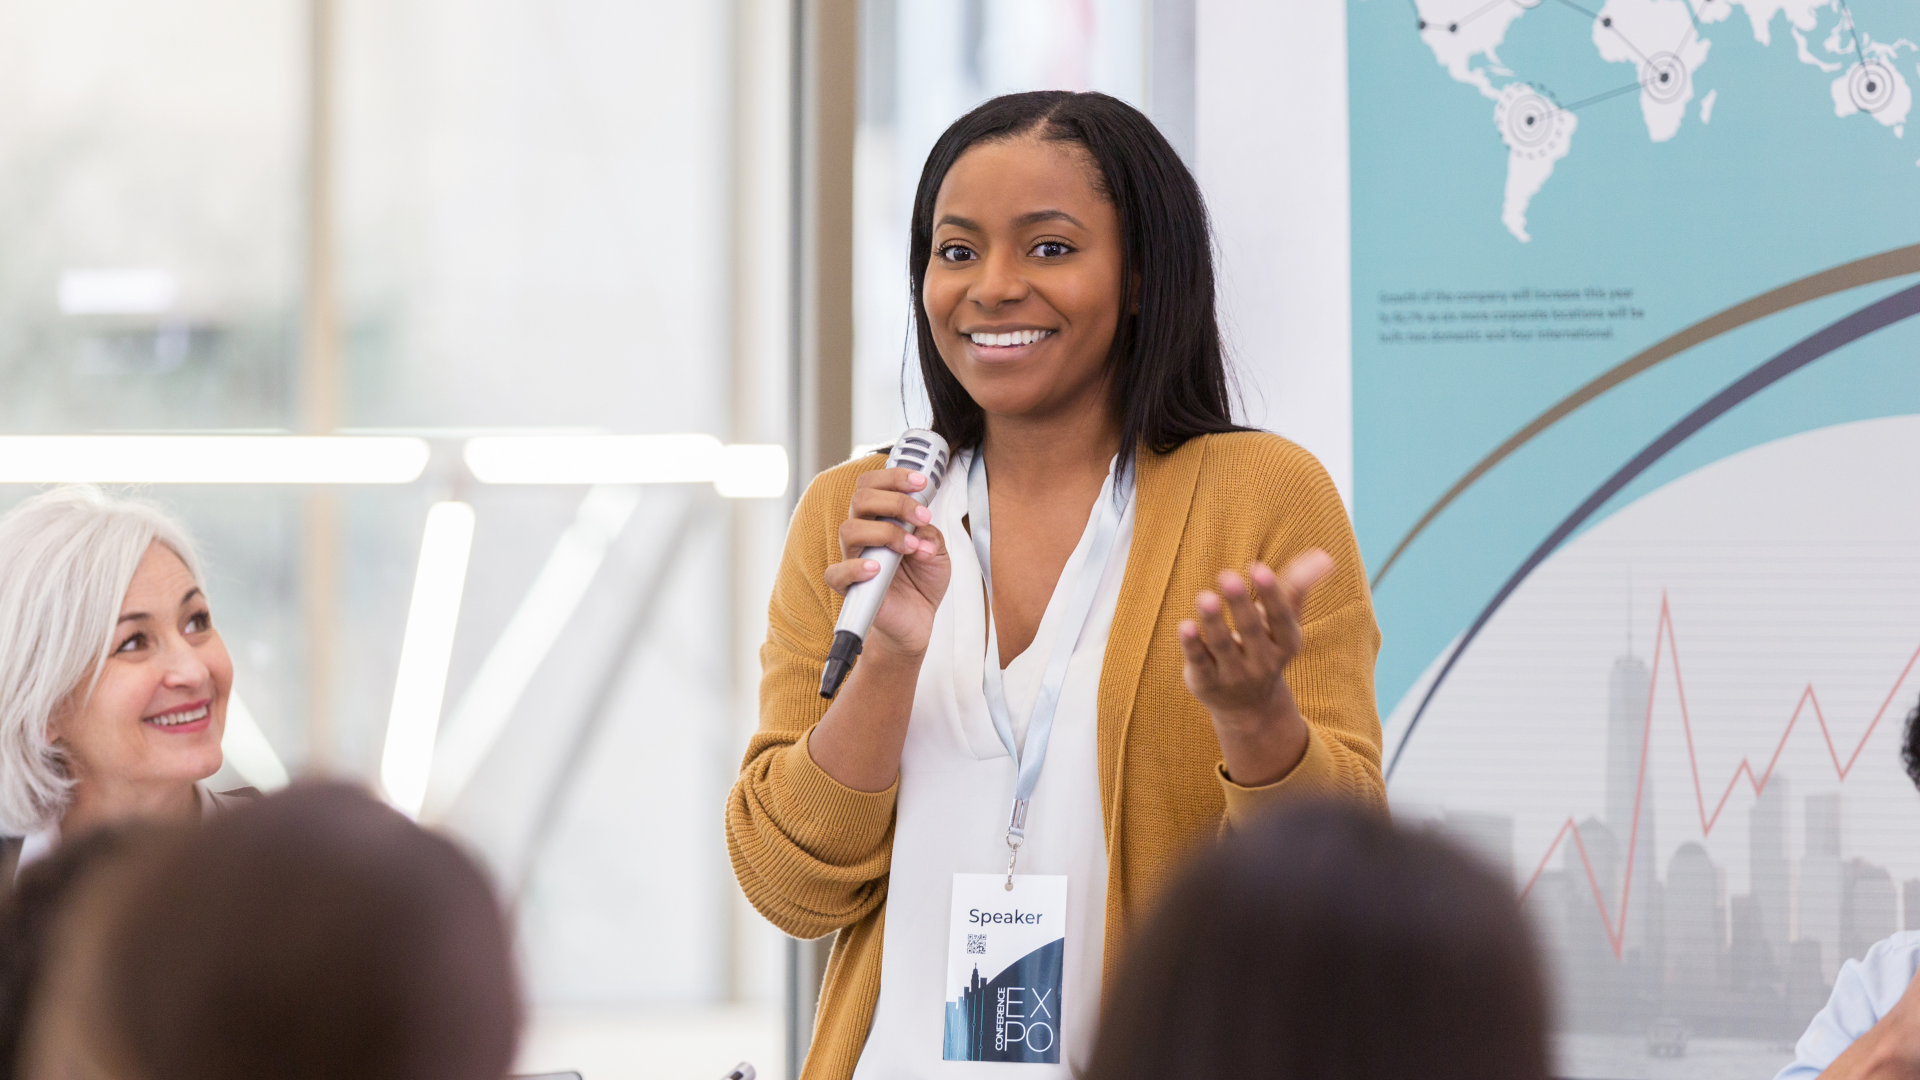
(184,720)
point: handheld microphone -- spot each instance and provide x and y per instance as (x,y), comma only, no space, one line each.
(925,453)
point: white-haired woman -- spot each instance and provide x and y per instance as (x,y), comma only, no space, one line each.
(113,680)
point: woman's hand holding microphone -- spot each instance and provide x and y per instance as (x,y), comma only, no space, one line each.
(858,742)
(906,616)
(1237,675)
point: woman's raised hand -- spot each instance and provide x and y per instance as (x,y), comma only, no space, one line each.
(906,616)
(1237,675)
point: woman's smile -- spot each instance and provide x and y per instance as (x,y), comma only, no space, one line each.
(184,719)
(997,346)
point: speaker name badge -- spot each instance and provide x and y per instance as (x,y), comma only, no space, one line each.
(1005,954)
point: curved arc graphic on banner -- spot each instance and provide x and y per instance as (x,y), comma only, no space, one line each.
(1875,316)
(1884,266)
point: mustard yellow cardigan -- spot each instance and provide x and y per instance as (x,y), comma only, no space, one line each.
(812,854)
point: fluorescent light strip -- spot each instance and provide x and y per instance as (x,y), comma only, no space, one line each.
(484,711)
(211,459)
(246,748)
(749,471)
(421,685)
(740,471)
(594,459)
(132,290)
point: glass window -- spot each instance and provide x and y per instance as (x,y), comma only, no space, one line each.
(534,216)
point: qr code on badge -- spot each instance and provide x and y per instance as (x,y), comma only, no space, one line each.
(976,944)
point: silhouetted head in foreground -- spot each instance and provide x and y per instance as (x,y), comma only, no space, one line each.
(33,909)
(1326,943)
(314,934)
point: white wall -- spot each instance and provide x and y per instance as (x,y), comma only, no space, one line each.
(1271,139)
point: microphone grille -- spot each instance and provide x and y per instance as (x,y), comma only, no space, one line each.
(922,451)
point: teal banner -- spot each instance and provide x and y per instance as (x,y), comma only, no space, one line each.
(1636,367)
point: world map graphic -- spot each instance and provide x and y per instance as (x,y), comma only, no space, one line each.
(1666,44)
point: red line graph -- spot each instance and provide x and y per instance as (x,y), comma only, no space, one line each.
(1664,636)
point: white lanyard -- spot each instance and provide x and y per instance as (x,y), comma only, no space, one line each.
(1072,623)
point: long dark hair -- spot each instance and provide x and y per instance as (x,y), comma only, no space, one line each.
(1325,943)
(1170,380)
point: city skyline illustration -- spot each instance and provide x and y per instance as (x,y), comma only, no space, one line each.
(1731,657)
(1631,943)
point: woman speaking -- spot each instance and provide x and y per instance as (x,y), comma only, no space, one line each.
(1070,625)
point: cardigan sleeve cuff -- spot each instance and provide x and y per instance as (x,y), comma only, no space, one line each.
(827,818)
(1316,774)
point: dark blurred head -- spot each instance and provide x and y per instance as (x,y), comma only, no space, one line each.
(1910,746)
(1324,942)
(31,911)
(312,934)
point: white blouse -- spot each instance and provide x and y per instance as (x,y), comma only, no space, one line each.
(956,783)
